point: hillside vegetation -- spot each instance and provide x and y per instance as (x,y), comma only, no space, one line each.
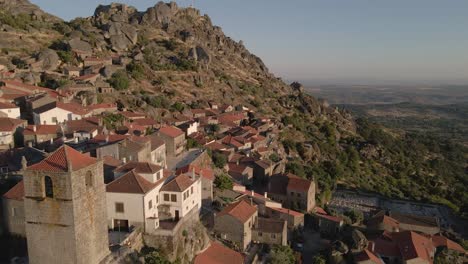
(178,59)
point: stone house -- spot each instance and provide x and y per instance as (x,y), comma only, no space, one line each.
(262,170)
(235,222)
(383,222)
(292,191)
(241,173)
(127,150)
(13,210)
(65,209)
(8,128)
(91,61)
(174,139)
(328,225)
(37,134)
(133,197)
(72,71)
(59,112)
(216,253)
(270,231)
(293,218)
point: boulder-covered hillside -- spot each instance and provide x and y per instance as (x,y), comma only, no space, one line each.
(175,58)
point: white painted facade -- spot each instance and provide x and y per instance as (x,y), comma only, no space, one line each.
(54,116)
(193,128)
(11,112)
(183,206)
(158,156)
(6,138)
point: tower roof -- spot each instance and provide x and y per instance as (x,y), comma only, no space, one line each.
(63,159)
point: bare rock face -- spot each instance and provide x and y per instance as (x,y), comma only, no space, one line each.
(16,7)
(199,54)
(161,13)
(48,59)
(78,44)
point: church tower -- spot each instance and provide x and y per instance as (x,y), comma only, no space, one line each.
(65,209)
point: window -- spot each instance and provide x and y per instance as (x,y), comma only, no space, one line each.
(14,211)
(54,120)
(173,198)
(119,207)
(89,179)
(298,195)
(273,236)
(150,204)
(260,234)
(48,187)
(191,190)
(166,197)
(157,199)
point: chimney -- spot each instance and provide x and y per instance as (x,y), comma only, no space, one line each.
(252,193)
(124,160)
(24,163)
(51,141)
(193,174)
(107,138)
(266,195)
(372,246)
(251,202)
(34,128)
(76,140)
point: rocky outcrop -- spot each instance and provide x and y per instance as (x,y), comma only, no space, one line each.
(48,60)
(161,13)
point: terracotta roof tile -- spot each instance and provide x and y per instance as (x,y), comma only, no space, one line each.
(139,167)
(16,193)
(10,124)
(41,129)
(178,184)
(171,131)
(203,172)
(413,245)
(287,211)
(269,225)
(441,241)
(241,210)
(61,158)
(366,255)
(131,182)
(7,105)
(111,161)
(219,254)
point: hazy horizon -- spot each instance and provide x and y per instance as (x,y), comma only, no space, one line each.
(335,42)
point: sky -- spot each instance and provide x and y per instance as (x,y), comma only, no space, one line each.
(335,41)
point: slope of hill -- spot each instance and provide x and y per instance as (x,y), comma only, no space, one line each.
(178,59)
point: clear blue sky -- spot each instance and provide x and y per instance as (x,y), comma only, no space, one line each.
(336,41)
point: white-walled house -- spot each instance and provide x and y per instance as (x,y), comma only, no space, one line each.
(179,196)
(9,110)
(133,198)
(8,127)
(58,112)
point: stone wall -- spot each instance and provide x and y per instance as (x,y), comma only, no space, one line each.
(13,223)
(183,242)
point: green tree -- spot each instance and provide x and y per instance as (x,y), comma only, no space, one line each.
(274,157)
(355,216)
(155,257)
(119,80)
(223,182)
(319,259)
(136,70)
(192,143)
(281,255)
(219,160)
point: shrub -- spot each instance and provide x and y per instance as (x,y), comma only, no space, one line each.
(223,182)
(281,255)
(219,160)
(119,80)
(136,70)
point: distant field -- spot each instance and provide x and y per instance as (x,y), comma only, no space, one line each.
(439,111)
(439,95)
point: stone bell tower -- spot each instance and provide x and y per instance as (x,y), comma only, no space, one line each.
(65,209)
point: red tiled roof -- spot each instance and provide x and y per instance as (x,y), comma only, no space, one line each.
(10,124)
(145,122)
(219,254)
(216,146)
(171,131)
(203,172)
(61,158)
(86,77)
(111,161)
(287,211)
(102,106)
(16,193)
(7,105)
(282,183)
(385,248)
(41,129)
(236,168)
(110,138)
(331,218)
(178,184)
(131,182)
(320,210)
(441,241)
(385,219)
(73,107)
(241,210)
(366,255)
(413,245)
(297,183)
(139,167)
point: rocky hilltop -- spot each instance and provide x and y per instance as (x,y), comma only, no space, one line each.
(168,59)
